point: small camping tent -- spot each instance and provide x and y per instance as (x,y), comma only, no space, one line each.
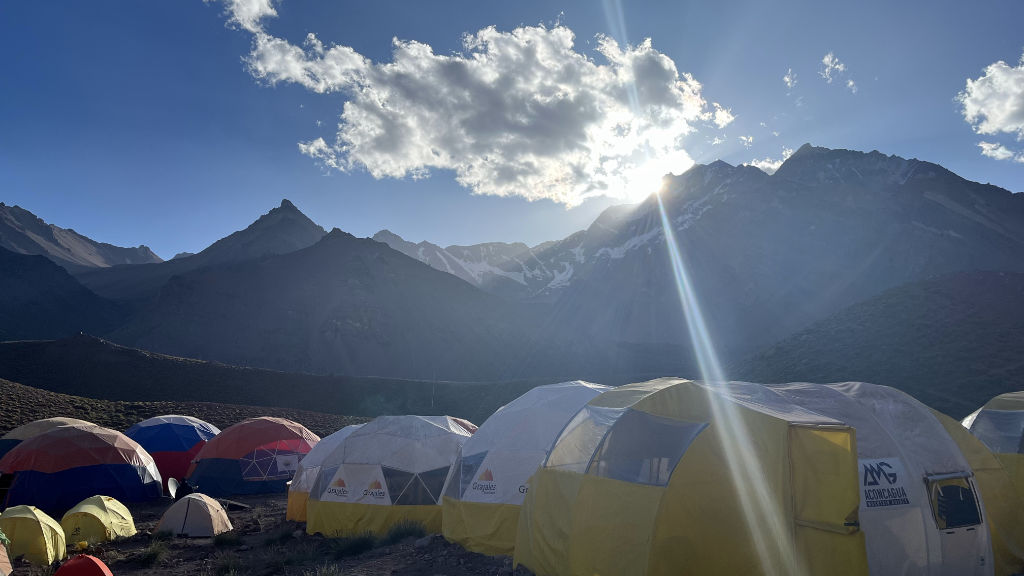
(173,441)
(487,483)
(32,429)
(740,478)
(33,535)
(194,516)
(83,565)
(392,469)
(57,469)
(255,456)
(97,519)
(1000,425)
(302,483)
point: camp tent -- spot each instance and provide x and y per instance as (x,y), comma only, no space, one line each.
(83,565)
(57,469)
(487,483)
(32,429)
(33,535)
(742,478)
(5,561)
(255,456)
(302,483)
(1000,425)
(173,441)
(392,469)
(97,519)
(194,516)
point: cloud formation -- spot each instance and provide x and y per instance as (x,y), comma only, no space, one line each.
(789,79)
(831,67)
(1000,152)
(519,113)
(770,165)
(994,102)
(747,141)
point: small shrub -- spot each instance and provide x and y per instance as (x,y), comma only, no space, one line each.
(226,564)
(354,545)
(154,553)
(227,540)
(404,529)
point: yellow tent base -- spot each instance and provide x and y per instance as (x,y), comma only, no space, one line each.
(341,519)
(479,527)
(296,511)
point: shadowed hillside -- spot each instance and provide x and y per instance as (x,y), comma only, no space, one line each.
(952,342)
(94,368)
(23,404)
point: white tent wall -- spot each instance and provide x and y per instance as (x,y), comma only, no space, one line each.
(309,466)
(902,536)
(513,443)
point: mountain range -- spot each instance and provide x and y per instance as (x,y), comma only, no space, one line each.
(767,257)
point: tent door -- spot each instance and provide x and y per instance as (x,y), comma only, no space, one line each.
(963,535)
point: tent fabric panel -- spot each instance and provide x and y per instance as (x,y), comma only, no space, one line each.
(168,437)
(97,519)
(61,491)
(479,527)
(543,536)
(1001,430)
(37,427)
(223,477)
(296,508)
(175,464)
(1008,401)
(340,519)
(69,447)
(33,534)
(83,565)
(242,438)
(1000,493)
(194,516)
(825,552)
(8,444)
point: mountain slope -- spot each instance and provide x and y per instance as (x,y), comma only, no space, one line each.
(283,229)
(344,305)
(39,299)
(952,341)
(23,232)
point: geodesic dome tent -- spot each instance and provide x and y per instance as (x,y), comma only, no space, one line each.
(487,484)
(97,519)
(392,469)
(1000,425)
(33,534)
(173,441)
(34,428)
(255,456)
(742,478)
(59,468)
(309,467)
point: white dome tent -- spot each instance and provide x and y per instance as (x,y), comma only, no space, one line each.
(391,470)
(487,483)
(309,467)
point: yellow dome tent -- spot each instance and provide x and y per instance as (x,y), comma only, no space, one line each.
(1000,425)
(97,519)
(194,516)
(33,535)
(672,476)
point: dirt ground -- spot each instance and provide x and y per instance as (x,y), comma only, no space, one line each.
(264,544)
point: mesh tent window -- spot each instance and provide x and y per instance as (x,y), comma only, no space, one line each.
(1001,430)
(643,448)
(463,473)
(953,501)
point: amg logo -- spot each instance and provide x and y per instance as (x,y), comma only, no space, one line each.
(873,473)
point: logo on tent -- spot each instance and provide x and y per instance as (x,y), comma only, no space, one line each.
(882,483)
(338,488)
(485,483)
(375,490)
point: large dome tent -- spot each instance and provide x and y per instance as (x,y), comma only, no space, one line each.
(255,456)
(59,468)
(487,483)
(390,470)
(33,429)
(999,424)
(752,479)
(309,467)
(173,441)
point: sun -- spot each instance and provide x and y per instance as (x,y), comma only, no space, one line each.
(645,178)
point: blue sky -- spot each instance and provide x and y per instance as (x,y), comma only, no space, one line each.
(140,122)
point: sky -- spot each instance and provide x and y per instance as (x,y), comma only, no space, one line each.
(173,124)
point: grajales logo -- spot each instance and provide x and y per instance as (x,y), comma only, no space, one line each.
(338,488)
(485,483)
(374,490)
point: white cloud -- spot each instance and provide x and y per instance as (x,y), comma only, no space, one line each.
(994,150)
(718,140)
(248,13)
(770,165)
(747,140)
(851,86)
(789,79)
(517,113)
(722,117)
(831,67)
(994,102)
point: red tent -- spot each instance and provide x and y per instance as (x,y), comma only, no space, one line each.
(84,565)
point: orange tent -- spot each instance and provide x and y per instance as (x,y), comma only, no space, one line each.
(84,565)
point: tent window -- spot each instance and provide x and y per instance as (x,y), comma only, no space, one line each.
(577,443)
(464,473)
(434,481)
(415,493)
(1001,430)
(953,503)
(396,480)
(643,448)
